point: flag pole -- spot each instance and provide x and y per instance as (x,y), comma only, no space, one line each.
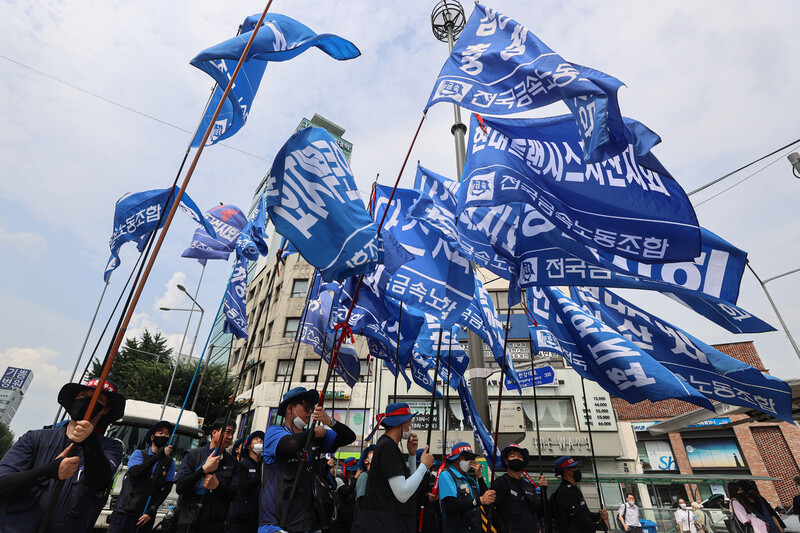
(433,392)
(591,442)
(295,349)
(397,353)
(366,397)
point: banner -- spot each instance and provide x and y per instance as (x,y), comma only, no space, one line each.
(136,215)
(235,304)
(716,375)
(227,221)
(499,67)
(313,201)
(453,360)
(279,39)
(620,206)
(252,241)
(482,435)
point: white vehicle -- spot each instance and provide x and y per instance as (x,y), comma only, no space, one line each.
(131,429)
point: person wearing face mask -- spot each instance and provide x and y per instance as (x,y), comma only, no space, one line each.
(749,507)
(284,455)
(684,517)
(393,479)
(362,474)
(518,506)
(204,482)
(629,515)
(429,502)
(462,491)
(573,515)
(243,513)
(150,476)
(346,489)
(75,453)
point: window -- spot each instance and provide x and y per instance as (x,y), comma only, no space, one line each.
(292,324)
(656,455)
(310,370)
(455,416)
(554,414)
(283,370)
(299,288)
(269,329)
(364,371)
(275,293)
(714,453)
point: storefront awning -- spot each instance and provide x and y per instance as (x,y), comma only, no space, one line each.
(669,479)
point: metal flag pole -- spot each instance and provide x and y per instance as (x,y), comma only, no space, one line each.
(433,389)
(366,397)
(397,353)
(83,346)
(591,442)
(447,398)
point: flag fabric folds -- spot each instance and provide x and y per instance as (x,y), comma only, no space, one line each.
(619,206)
(252,241)
(234,306)
(227,221)
(313,201)
(482,435)
(279,39)
(499,67)
(136,215)
(714,374)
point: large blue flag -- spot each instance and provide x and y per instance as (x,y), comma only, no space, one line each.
(227,221)
(313,201)
(716,375)
(235,303)
(136,215)
(453,360)
(621,206)
(482,435)
(314,332)
(438,281)
(599,353)
(252,240)
(499,67)
(279,39)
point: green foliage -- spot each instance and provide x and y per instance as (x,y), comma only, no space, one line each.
(143,368)
(6,438)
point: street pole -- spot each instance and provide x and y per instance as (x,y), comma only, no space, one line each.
(775,307)
(203,375)
(447,21)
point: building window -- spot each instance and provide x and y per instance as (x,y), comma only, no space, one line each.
(554,414)
(299,288)
(363,371)
(283,370)
(455,417)
(292,323)
(310,370)
(275,293)
(269,329)
(714,453)
(656,455)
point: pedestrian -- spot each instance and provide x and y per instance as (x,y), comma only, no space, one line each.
(237,448)
(796,500)
(361,483)
(685,517)
(429,502)
(701,522)
(204,482)
(748,507)
(517,505)
(629,515)
(243,512)
(571,512)
(75,453)
(283,456)
(150,476)
(462,490)
(346,492)
(393,480)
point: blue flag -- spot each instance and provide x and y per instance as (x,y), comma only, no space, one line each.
(453,360)
(227,221)
(716,375)
(600,354)
(279,39)
(252,240)
(235,304)
(499,67)
(482,435)
(383,352)
(619,206)
(438,281)
(542,340)
(313,201)
(136,216)
(314,332)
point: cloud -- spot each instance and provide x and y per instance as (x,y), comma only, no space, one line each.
(30,245)
(174,297)
(143,321)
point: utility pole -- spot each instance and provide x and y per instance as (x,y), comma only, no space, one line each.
(447,21)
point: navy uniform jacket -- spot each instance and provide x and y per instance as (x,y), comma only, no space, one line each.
(23,510)
(215,502)
(247,481)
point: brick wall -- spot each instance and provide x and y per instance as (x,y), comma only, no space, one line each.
(778,461)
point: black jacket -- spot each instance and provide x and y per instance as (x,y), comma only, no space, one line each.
(212,506)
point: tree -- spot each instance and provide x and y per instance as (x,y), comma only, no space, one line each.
(6,438)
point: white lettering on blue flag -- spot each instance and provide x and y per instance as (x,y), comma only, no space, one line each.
(235,304)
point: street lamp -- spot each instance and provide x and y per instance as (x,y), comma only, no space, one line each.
(794,159)
(772,303)
(183,340)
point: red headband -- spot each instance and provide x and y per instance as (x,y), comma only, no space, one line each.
(461,449)
(108,387)
(396,412)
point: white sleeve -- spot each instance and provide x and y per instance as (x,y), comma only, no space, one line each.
(740,512)
(412,463)
(403,488)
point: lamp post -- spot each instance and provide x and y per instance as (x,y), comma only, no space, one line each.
(772,303)
(194,341)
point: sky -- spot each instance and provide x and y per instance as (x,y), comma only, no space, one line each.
(98,99)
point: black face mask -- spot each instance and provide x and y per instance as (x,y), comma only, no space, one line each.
(78,407)
(159,441)
(578,476)
(516,465)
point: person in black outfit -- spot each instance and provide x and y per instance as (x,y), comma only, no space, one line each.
(428,501)
(573,514)
(796,499)
(518,506)
(346,490)
(151,474)
(243,513)
(462,491)
(393,480)
(204,482)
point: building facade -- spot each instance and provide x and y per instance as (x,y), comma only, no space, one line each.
(13,384)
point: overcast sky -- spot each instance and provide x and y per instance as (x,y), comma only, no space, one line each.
(717,80)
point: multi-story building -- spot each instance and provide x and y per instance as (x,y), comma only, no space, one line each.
(13,384)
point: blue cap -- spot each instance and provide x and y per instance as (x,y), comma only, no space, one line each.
(515,448)
(155,427)
(295,395)
(251,436)
(460,449)
(566,462)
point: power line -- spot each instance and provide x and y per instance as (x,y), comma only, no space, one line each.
(132,110)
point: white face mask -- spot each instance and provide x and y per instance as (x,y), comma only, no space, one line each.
(299,423)
(258,448)
(464,466)
(406,434)
(683,506)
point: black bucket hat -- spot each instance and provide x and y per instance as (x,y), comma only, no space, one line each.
(116,400)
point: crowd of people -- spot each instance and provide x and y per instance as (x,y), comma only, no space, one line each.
(284,480)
